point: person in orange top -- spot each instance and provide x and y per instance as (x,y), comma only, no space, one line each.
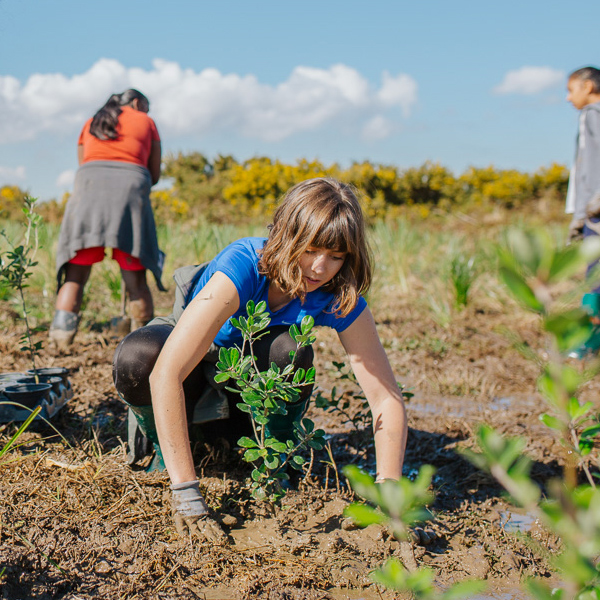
(119,154)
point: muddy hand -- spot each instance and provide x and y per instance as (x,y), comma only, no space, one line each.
(192,516)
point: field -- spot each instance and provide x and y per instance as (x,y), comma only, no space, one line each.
(76,522)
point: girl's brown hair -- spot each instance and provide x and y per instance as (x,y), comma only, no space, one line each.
(319,213)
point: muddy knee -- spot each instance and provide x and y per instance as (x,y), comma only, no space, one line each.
(134,360)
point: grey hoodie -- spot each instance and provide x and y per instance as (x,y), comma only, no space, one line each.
(587,159)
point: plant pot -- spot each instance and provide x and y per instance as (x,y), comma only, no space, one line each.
(28,394)
(14,377)
(58,386)
(7,379)
(61,372)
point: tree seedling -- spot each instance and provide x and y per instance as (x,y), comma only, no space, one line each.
(16,265)
(265,394)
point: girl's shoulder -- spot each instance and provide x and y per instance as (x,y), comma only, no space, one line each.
(240,259)
(248,247)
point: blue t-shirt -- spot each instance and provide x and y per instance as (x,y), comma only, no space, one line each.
(239,261)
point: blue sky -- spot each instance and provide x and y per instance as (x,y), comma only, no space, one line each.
(462,83)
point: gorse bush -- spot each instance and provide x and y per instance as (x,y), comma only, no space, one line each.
(224,190)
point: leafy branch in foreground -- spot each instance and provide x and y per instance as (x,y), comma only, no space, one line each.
(267,394)
(530,265)
(16,264)
(397,505)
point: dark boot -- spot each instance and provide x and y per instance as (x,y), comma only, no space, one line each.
(591,304)
(282,426)
(143,425)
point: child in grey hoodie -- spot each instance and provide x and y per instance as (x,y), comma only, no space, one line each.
(583,197)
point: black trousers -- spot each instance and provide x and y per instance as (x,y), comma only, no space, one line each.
(137,354)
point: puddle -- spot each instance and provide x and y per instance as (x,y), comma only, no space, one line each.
(517,523)
(498,592)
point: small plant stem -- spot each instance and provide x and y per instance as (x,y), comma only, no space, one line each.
(584,464)
(28,330)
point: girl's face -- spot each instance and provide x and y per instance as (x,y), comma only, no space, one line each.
(319,266)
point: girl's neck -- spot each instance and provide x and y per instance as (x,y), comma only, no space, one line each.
(277,298)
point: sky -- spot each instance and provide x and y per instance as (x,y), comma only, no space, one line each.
(394,82)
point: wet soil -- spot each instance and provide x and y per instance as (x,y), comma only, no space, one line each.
(77,522)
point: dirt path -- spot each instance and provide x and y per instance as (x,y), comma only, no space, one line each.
(76,522)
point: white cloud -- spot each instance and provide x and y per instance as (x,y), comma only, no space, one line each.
(378,128)
(400,90)
(10,175)
(530,80)
(184,101)
(65,179)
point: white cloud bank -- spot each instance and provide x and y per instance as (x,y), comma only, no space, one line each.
(12,175)
(185,102)
(530,80)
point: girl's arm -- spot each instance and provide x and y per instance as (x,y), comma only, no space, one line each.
(79,154)
(185,348)
(374,374)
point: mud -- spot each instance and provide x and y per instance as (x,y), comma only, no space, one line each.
(77,522)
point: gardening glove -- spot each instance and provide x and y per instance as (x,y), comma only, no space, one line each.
(576,230)
(192,516)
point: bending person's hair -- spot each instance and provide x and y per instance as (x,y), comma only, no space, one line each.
(104,123)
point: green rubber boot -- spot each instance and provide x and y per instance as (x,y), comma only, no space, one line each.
(144,417)
(591,304)
(282,426)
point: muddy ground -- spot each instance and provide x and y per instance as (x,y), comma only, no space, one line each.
(76,522)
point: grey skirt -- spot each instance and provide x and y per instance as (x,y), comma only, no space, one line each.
(110,207)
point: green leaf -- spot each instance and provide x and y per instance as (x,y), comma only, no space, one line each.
(299,460)
(221,377)
(307,324)
(585,446)
(565,263)
(246,442)
(316,444)
(552,422)
(272,461)
(364,515)
(308,425)
(276,445)
(520,290)
(252,454)
(570,328)
(590,432)
(243,407)
(576,410)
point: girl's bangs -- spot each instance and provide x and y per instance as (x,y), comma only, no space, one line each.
(334,234)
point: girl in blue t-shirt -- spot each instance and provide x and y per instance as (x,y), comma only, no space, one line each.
(315,261)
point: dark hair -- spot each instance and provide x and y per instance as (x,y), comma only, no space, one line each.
(588,74)
(104,123)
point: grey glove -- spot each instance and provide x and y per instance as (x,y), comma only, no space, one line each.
(191,514)
(576,230)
